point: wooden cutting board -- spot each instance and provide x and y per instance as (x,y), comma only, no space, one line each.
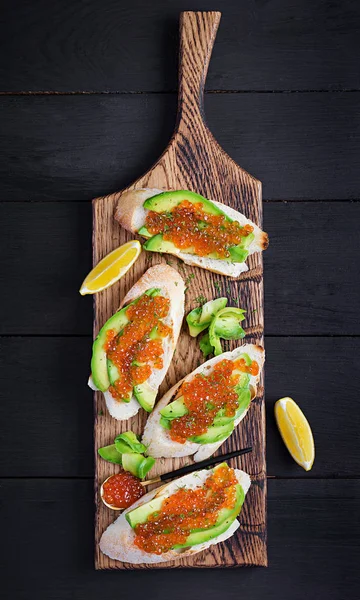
(193,160)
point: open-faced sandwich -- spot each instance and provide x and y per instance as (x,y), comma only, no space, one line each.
(201,411)
(201,232)
(179,519)
(134,348)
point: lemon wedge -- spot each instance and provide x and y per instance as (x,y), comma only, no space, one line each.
(295,432)
(111,268)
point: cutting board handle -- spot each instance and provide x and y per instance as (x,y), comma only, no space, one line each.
(197,37)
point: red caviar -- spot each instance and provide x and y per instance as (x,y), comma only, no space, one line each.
(122,490)
(189,226)
(133,352)
(187,510)
(205,395)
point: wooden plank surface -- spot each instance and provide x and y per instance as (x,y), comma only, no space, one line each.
(193,160)
(313,547)
(317,296)
(70,148)
(307,368)
(77,147)
(70,45)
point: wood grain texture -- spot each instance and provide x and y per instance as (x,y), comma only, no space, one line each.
(72,45)
(193,160)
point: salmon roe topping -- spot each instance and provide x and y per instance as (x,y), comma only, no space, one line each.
(188,226)
(187,510)
(132,351)
(122,490)
(205,395)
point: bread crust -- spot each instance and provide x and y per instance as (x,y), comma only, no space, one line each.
(131,215)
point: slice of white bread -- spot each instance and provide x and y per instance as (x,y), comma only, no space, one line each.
(117,541)
(171,286)
(157,438)
(131,214)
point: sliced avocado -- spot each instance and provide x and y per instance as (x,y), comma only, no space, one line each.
(209,309)
(114,376)
(246,358)
(137,464)
(165,423)
(213,434)
(214,339)
(200,318)
(227,323)
(238,254)
(175,409)
(220,421)
(141,513)
(158,244)
(110,454)
(153,335)
(113,372)
(193,321)
(129,442)
(205,346)
(144,232)
(99,361)
(244,379)
(244,399)
(152,292)
(246,241)
(199,537)
(145,395)
(166,201)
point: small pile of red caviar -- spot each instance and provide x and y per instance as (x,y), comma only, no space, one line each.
(205,395)
(122,490)
(189,226)
(132,351)
(187,510)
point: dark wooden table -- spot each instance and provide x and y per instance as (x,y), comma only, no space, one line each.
(88,99)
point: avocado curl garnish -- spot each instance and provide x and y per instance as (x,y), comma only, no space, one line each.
(135,352)
(189,226)
(187,510)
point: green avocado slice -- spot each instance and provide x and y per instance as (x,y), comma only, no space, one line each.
(166,201)
(129,442)
(199,537)
(158,244)
(110,454)
(99,367)
(145,395)
(141,513)
(200,318)
(144,232)
(137,464)
(175,409)
(214,434)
